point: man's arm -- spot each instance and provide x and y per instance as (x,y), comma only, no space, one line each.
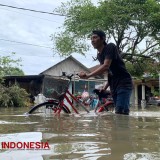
(104,67)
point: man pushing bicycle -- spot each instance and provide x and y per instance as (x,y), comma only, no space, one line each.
(119,79)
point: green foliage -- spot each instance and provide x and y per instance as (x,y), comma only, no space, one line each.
(134,69)
(66,44)
(8,66)
(155,93)
(13,96)
(14,71)
(72,38)
(141,66)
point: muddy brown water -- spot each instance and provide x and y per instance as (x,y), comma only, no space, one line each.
(86,136)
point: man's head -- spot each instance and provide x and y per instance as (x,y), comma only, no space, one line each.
(98,38)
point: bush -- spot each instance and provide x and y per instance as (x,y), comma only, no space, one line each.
(13,96)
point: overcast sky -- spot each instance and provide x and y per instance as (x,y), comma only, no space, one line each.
(33,28)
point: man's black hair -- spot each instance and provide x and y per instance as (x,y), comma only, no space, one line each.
(100,33)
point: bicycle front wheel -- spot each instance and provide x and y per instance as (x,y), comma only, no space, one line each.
(47,105)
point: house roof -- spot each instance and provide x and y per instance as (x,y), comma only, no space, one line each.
(25,78)
(68,58)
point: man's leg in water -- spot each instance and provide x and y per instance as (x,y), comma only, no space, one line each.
(122,101)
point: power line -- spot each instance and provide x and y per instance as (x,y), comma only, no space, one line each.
(25,43)
(35,45)
(45,56)
(32,10)
(31,16)
(32,44)
(24,55)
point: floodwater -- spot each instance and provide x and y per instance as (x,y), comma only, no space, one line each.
(86,136)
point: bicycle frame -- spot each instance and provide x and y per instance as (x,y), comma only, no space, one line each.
(65,97)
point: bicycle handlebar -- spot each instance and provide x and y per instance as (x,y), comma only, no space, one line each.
(69,76)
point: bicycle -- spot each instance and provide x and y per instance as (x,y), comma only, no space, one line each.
(57,102)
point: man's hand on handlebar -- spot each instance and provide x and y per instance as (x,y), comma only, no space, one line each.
(83,75)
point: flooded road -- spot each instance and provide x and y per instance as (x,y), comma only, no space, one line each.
(85,136)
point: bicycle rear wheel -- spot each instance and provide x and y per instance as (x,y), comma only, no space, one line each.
(48,104)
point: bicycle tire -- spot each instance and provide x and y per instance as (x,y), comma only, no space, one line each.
(65,109)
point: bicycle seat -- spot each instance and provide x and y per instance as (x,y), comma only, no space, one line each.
(102,94)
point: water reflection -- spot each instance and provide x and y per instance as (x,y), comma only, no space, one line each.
(83,136)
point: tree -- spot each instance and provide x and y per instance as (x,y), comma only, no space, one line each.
(12,96)
(133,24)
(8,66)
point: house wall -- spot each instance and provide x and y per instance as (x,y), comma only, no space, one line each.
(68,66)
